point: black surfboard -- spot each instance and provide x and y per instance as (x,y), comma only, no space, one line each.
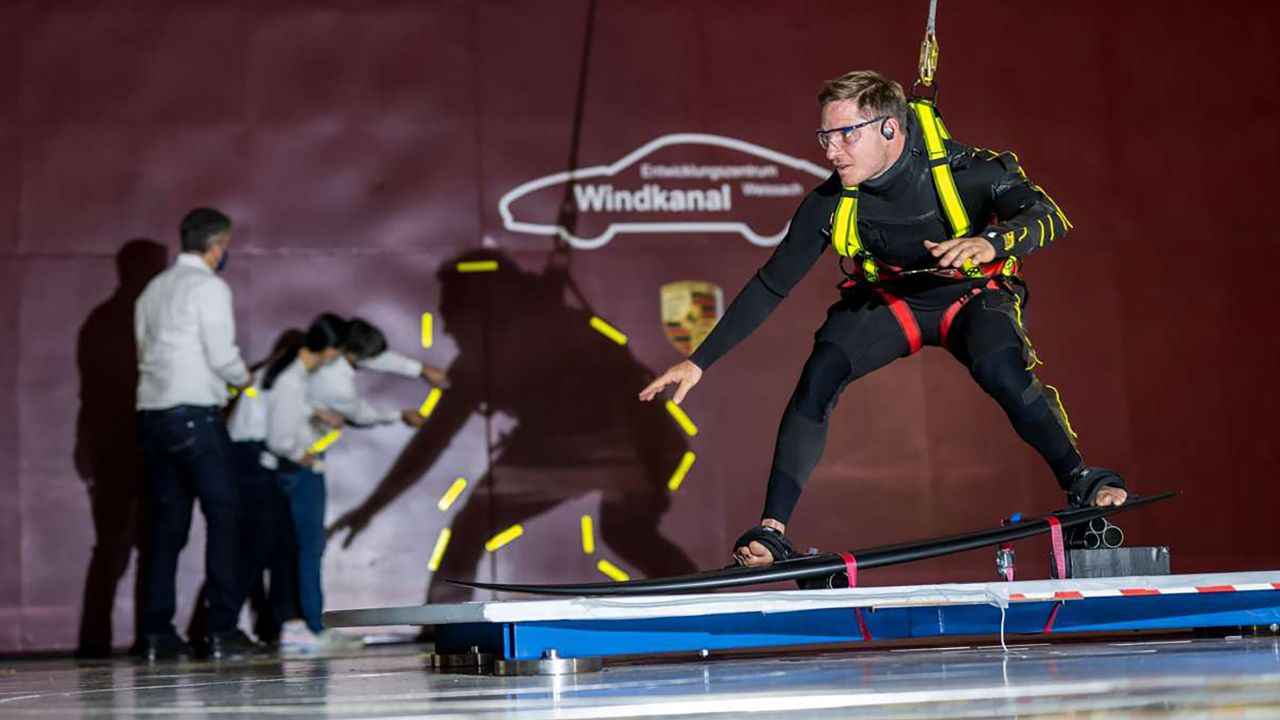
(816,566)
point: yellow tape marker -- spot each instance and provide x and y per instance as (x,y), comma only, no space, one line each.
(608,330)
(437,554)
(428,327)
(504,537)
(588,536)
(478,266)
(685,423)
(323,443)
(250,391)
(429,405)
(682,469)
(452,494)
(613,571)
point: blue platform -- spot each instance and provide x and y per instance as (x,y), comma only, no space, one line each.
(586,627)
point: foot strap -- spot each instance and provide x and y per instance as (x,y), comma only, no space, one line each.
(1082,486)
(773,540)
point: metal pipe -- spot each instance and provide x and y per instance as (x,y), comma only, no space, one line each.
(1112,537)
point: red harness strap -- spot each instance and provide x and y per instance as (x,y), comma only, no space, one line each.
(885,272)
(851,570)
(906,320)
(949,316)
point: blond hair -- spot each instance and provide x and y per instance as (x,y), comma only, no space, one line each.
(870,89)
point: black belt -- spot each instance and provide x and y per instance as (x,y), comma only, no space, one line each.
(183,410)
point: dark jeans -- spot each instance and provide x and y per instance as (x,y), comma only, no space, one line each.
(269,542)
(306,493)
(266,543)
(188,456)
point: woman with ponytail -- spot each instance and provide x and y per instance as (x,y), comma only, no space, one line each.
(293,428)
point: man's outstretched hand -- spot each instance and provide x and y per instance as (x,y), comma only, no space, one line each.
(684,376)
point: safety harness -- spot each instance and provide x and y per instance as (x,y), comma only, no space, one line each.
(870,270)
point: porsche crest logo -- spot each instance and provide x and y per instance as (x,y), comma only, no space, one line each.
(690,308)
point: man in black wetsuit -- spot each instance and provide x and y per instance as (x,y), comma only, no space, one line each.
(917,276)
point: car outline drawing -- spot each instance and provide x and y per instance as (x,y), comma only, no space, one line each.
(614,229)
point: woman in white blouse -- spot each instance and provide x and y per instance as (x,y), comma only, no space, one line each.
(293,434)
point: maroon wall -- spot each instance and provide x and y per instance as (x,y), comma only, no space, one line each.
(360,146)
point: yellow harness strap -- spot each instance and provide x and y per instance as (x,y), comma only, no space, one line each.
(844,222)
(934,135)
(844,233)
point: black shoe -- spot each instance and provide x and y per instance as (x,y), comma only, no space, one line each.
(232,645)
(163,646)
(93,652)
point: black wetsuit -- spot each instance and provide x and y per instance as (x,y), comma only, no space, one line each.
(896,213)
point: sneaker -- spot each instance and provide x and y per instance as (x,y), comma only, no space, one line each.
(297,638)
(336,640)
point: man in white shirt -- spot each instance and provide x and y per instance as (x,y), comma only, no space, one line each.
(187,357)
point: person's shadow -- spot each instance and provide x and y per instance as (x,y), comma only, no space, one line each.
(107,456)
(524,350)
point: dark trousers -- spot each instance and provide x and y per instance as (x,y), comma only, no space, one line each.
(188,456)
(865,332)
(266,543)
(306,493)
(269,542)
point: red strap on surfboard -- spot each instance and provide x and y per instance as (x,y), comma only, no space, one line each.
(1059,549)
(850,567)
(851,571)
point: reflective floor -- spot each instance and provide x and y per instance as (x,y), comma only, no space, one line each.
(1183,678)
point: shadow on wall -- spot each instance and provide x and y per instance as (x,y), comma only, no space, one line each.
(526,351)
(107,456)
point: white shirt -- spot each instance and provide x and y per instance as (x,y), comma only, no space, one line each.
(333,387)
(291,425)
(186,332)
(248,420)
(393,363)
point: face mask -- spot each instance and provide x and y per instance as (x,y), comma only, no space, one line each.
(222,261)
